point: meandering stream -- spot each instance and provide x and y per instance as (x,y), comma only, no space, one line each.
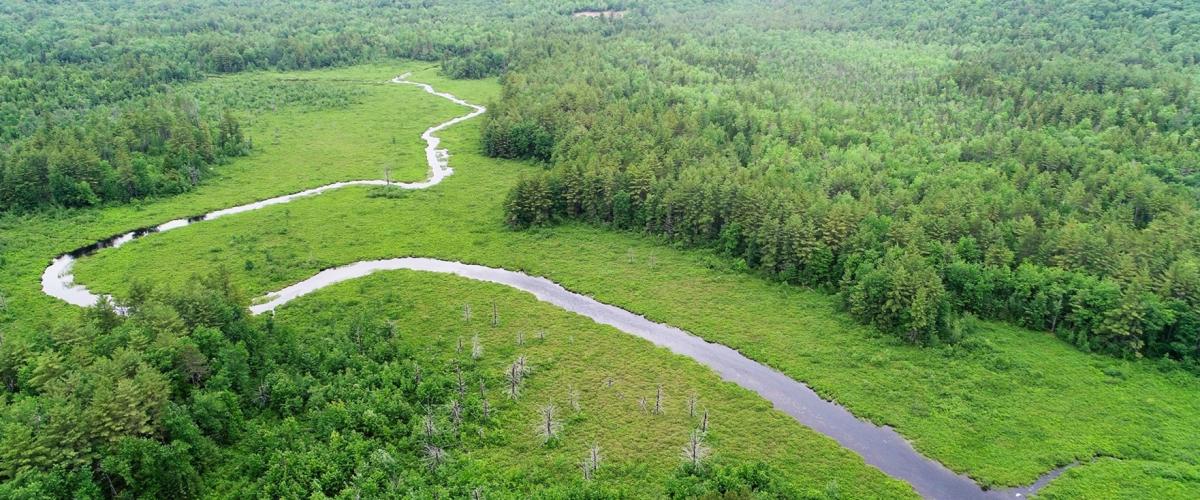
(879,446)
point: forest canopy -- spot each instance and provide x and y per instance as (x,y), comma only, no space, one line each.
(1035,163)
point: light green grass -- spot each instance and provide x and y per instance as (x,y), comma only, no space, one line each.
(640,450)
(1007,410)
(1114,479)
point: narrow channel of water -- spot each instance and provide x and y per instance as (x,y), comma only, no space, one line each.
(879,446)
(58,280)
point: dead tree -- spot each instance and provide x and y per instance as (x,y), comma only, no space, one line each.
(573,398)
(694,452)
(586,467)
(548,424)
(434,456)
(430,425)
(514,380)
(462,383)
(456,415)
(594,456)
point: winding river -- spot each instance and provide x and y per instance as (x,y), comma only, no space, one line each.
(879,446)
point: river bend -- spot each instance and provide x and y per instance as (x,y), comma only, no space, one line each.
(879,446)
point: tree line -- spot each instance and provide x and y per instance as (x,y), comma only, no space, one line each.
(158,146)
(1049,182)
